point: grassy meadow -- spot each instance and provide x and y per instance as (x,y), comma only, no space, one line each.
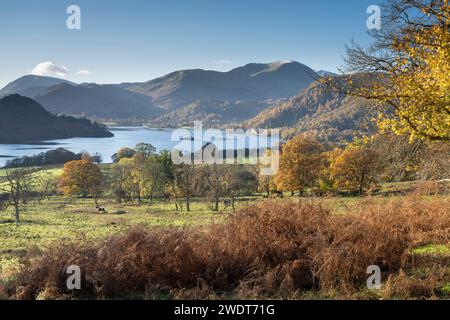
(61,219)
(63,226)
(62,222)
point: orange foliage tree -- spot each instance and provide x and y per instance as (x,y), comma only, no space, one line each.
(300,164)
(82,178)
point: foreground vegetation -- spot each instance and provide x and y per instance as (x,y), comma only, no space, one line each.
(308,251)
(59,218)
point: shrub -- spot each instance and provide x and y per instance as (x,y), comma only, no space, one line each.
(274,249)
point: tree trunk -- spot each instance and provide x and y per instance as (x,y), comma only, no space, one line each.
(188,207)
(176,201)
(232,205)
(17,212)
(361,183)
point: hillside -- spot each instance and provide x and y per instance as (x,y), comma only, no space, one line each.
(31,85)
(317,109)
(252,82)
(24,120)
(210,113)
(97,101)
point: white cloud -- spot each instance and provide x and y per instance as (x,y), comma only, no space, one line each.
(48,68)
(84,73)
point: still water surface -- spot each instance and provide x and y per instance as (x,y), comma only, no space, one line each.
(123,137)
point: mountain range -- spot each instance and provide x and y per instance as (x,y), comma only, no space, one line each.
(283,94)
(254,86)
(252,82)
(24,120)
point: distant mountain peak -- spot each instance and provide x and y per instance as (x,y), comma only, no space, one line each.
(283,62)
(256,82)
(31,85)
(284,65)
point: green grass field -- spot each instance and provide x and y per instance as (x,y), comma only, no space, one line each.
(59,220)
(71,219)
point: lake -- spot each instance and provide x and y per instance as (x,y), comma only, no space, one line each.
(123,137)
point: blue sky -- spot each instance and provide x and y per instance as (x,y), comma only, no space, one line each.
(138,40)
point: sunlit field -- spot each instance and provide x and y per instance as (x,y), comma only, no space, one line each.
(63,222)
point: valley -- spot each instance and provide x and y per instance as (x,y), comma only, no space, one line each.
(283,94)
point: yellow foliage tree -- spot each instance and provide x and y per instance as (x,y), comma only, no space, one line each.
(420,91)
(355,168)
(409,69)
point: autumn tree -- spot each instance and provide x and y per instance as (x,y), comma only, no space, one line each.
(435,161)
(147,171)
(81,178)
(17,183)
(238,181)
(184,175)
(121,180)
(127,179)
(169,182)
(266,183)
(407,68)
(326,179)
(356,168)
(400,158)
(141,176)
(145,149)
(86,156)
(123,153)
(300,164)
(211,174)
(152,177)
(173,189)
(95,158)
(46,184)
